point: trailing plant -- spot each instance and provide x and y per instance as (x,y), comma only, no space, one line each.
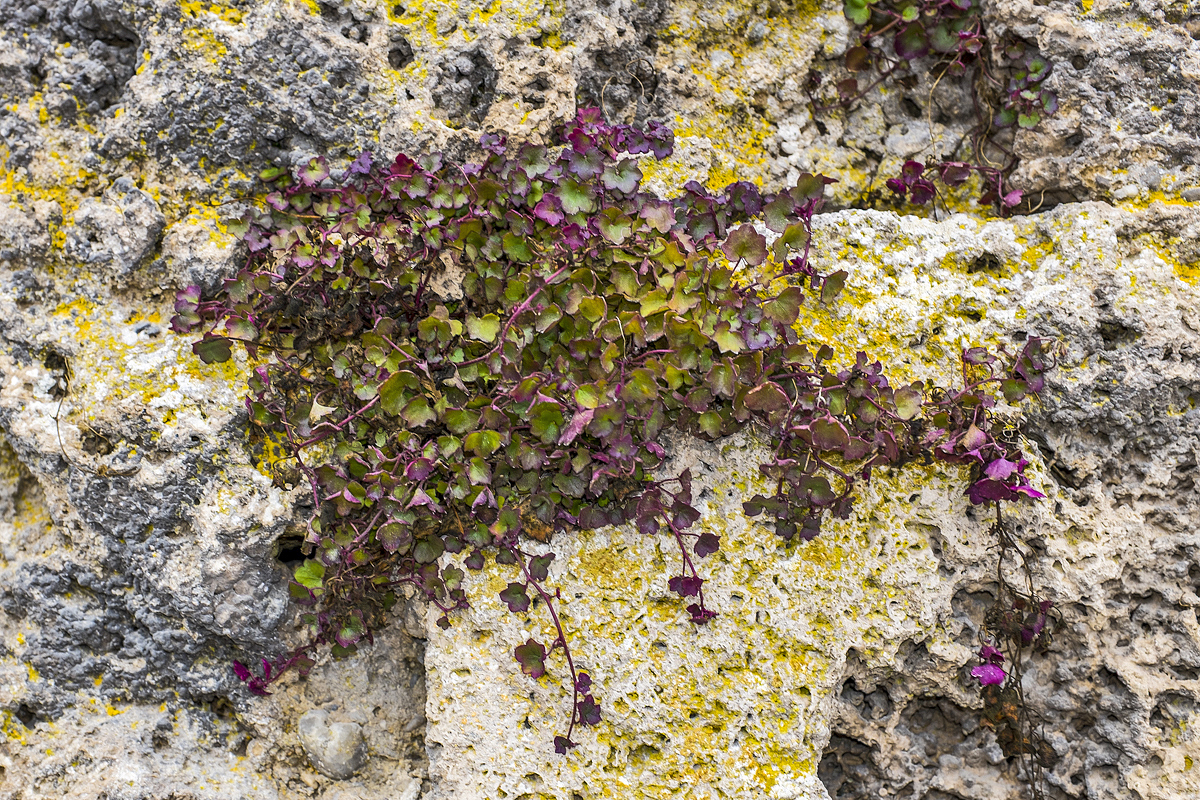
(897,38)
(471,358)
(1017,622)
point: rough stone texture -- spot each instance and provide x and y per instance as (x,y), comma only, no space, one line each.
(335,748)
(145,540)
(851,652)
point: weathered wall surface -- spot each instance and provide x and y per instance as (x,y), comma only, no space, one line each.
(144,544)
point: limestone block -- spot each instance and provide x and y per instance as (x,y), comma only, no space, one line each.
(849,646)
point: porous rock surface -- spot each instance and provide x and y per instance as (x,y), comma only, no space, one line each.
(145,542)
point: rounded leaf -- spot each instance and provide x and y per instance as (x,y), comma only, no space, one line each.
(912,41)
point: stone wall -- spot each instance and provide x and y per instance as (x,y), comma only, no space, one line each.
(144,544)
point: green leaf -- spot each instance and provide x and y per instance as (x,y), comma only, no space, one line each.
(482,443)
(212,349)
(778,212)
(484,329)
(515,597)
(593,308)
(392,392)
(720,380)
(428,549)
(833,286)
(310,574)
(909,401)
(1029,120)
(1014,389)
(745,243)
(793,238)
(532,658)
(460,420)
(588,396)
(623,176)
(729,341)
(546,319)
(418,413)
(516,248)
(654,302)
(640,387)
(614,226)
(314,172)
(710,423)
(819,492)
(943,39)
(576,197)
(393,536)
(856,11)
(786,307)
(768,396)
(829,434)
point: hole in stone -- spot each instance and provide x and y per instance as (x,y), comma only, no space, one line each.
(289,550)
(984,263)
(1116,334)
(27,716)
(400,55)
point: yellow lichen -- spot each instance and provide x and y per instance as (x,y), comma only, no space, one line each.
(196,8)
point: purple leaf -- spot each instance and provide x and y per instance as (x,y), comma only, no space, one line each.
(515,598)
(241,670)
(419,469)
(532,658)
(360,165)
(1000,469)
(578,422)
(989,675)
(589,711)
(549,210)
(990,655)
(573,237)
(986,491)
(685,586)
(562,744)
(707,544)
(912,42)
(829,434)
(973,439)
(911,171)
(922,192)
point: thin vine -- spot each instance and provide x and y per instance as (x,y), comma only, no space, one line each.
(899,38)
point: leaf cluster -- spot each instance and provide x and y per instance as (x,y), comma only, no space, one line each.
(948,37)
(471,358)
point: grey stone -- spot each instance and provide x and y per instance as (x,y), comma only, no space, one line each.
(143,542)
(337,749)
